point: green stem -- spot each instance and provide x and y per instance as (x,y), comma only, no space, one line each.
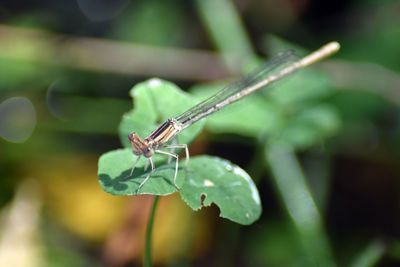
(226,29)
(147,252)
(299,202)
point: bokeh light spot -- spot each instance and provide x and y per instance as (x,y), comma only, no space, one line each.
(17,119)
(102,10)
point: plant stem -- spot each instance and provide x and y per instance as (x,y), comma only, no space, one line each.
(147,252)
(299,202)
(226,29)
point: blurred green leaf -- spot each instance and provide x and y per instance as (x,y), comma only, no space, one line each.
(81,114)
(371,254)
(394,250)
(58,256)
(382,39)
(13,73)
(273,44)
(225,27)
(276,243)
(306,85)
(290,111)
(356,106)
(299,202)
(39,18)
(153,22)
(310,126)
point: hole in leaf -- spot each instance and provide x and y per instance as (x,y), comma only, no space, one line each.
(202,198)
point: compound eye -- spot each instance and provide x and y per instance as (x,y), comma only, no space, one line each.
(131,136)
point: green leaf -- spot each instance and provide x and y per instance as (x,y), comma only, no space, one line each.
(213,180)
(155,101)
(310,126)
(114,174)
(207,180)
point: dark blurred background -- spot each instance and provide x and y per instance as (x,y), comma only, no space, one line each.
(66,68)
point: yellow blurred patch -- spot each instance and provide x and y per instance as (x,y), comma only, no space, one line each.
(73,195)
(179,232)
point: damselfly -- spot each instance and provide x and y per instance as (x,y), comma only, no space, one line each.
(275,69)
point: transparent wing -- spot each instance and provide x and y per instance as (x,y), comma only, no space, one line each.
(206,107)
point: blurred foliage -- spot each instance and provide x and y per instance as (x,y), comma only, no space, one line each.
(151,26)
(293,111)
(330,195)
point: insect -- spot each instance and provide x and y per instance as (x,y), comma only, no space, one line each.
(275,69)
